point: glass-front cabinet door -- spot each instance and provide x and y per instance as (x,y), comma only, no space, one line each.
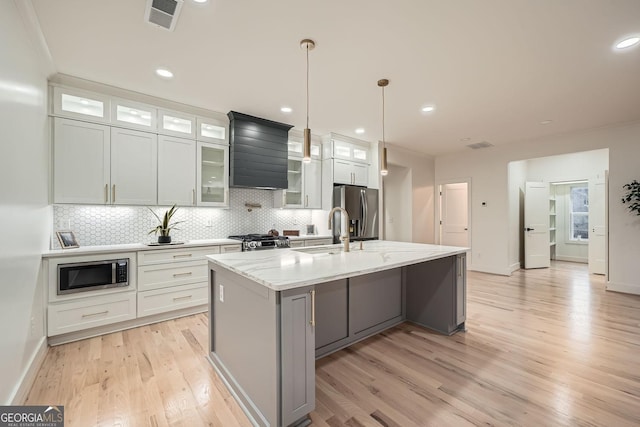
(213,174)
(136,115)
(176,124)
(293,195)
(80,104)
(212,130)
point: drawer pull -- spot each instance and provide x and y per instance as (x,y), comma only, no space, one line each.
(95,314)
(188,273)
(182,298)
(183,256)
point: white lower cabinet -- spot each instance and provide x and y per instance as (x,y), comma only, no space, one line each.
(90,312)
(318,242)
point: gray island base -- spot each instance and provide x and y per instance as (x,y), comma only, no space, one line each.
(273,313)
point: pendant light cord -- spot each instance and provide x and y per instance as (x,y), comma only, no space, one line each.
(307,85)
(383,142)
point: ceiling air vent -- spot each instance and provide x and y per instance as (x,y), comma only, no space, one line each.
(163,13)
(478,145)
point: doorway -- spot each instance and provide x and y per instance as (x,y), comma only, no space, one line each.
(454,214)
(576,209)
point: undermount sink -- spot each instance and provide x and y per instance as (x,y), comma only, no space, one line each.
(329,250)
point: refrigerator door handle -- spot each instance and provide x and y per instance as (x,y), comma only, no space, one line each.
(363,202)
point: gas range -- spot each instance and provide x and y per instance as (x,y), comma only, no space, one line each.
(254,242)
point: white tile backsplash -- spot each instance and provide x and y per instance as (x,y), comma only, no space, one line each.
(112,225)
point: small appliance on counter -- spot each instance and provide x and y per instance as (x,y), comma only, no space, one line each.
(254,242)
(361,204)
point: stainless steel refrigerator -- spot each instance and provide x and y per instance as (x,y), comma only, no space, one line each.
(362,206)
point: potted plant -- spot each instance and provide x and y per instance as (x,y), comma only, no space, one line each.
(165,226)
(633,196)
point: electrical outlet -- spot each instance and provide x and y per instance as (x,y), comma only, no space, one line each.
(210,222)
(221,293)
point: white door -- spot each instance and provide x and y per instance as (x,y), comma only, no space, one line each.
(536,220)
(134,167)
(176,171)
(454,215)
(597,226)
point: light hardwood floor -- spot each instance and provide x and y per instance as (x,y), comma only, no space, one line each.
(545,347)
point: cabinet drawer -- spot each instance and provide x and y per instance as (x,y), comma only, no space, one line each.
(318,242)
(225,249)
(164,300)
(161,256)
(91,312)
(296,243)
(171,274)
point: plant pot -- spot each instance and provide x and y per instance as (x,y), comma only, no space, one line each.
(164,239)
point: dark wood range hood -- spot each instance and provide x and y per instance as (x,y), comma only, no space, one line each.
(258,152)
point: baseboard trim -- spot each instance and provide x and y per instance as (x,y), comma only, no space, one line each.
(514,267)
(572,259)
(30,373)
(623,288)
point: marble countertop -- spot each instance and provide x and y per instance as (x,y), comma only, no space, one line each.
(132,247)
(282,269)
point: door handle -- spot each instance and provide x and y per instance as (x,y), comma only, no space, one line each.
(529,229)
(465,229)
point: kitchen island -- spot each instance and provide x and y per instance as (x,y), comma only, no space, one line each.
(273,312)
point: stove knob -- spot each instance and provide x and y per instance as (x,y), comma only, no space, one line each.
(252,245)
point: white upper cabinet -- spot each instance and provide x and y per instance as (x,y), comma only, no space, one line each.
(134,115)
(313,184)
(176,171)
(350,151)
(176,124)
(80,104)
(212,130)
(350,173)
(81,162)
(134,167)
(295,149)
(212,174)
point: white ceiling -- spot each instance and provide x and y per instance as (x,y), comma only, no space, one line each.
(494,68)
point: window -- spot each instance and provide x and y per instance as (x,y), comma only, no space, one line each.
(579,212)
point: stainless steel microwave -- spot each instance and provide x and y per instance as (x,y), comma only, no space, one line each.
(92,275)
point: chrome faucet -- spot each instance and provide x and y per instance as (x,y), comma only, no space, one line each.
(345,238)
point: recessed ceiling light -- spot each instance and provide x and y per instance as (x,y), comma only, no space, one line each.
(163,72)
(200,1)
(628,42)
(286,109)
(428,108)
(465,139)
(360,131)
(546,122)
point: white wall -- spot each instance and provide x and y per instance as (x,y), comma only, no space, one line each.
(24,214)
(491,228)
(421,170)
(398,204)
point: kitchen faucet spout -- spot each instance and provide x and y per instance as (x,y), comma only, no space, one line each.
(345,237)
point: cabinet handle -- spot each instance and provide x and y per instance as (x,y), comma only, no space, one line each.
(188,273)
(95,314)
(113,193)
(181,298)
(193,196)
(183,256)
(312,322)
(106,193)
(306,201)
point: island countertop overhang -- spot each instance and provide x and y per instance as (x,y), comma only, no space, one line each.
(283,269)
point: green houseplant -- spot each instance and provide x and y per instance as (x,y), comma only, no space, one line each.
(633,196)
(165,225)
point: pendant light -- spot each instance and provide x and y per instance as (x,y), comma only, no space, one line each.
(384,171)
(308,45)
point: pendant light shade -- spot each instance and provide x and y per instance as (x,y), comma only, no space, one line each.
(384,171)
(308,45)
